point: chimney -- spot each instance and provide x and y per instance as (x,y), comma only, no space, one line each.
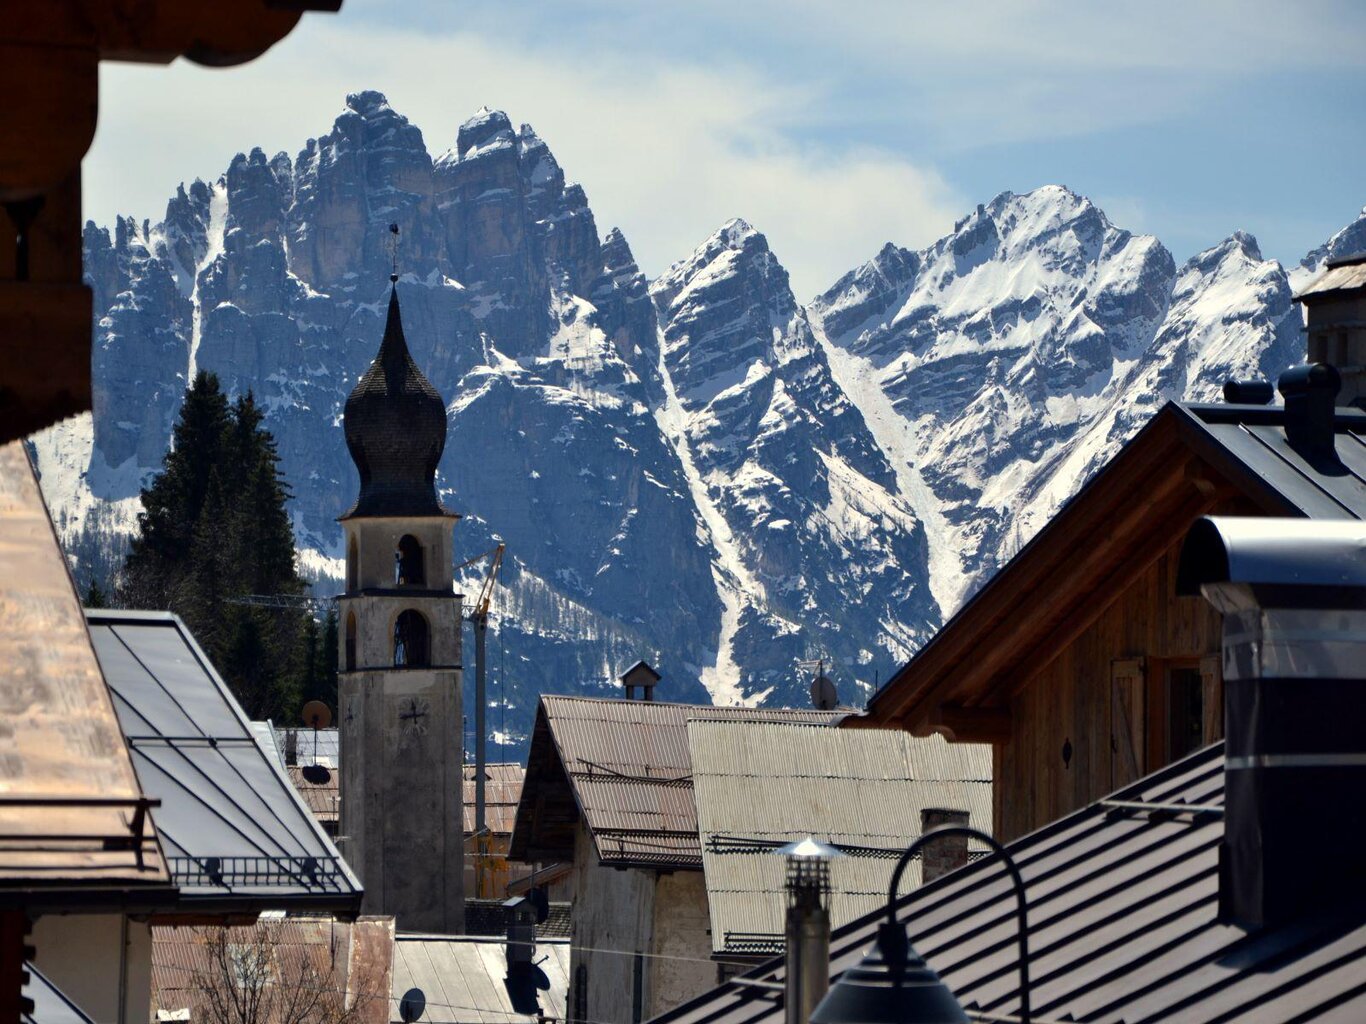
(291,746)
(1293,597)
(521,930)
(946,854)
(1249,392)
(1310,394)
(1335,322)
(640,676)
(807,933)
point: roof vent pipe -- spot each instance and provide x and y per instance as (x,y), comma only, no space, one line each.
(1293,597)
(1249,392)
(1310,394)
(807,931)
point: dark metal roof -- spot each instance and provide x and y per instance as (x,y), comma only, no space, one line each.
(50,1004)
(1261,550)
(72,814)
(395,424)
(237,835)
(1123,905)
(624,766)
(1249,442)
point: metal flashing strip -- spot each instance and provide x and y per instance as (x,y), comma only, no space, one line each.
(1246,761)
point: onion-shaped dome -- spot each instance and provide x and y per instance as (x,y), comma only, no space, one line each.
(395,425)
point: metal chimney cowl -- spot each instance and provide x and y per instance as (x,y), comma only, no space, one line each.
(1293,597)
(807,929)
(1310,394)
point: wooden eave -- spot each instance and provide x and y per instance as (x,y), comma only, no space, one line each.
(548,811)
(1109,533)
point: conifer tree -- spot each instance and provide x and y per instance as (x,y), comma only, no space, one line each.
(215,528)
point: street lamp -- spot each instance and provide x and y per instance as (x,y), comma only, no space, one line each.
(892,984)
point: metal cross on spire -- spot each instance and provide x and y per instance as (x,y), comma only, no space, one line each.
(393,251)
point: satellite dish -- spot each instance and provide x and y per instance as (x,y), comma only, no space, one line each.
(823,695)
(412,1004)
(317,715)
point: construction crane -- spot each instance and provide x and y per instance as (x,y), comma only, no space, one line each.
(293,602)
(479,618)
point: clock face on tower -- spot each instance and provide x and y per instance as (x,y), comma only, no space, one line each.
(412,717)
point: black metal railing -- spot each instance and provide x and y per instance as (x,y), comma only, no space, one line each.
(314,873)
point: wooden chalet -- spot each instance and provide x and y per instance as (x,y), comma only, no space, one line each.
(1077,660)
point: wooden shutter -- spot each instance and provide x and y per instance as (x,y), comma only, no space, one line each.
(1212,696)
(1128,734)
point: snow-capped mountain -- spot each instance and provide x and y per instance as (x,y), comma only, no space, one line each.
(696,470)
(1009,360)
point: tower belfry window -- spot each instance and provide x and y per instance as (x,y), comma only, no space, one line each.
(411,648)
(408,567)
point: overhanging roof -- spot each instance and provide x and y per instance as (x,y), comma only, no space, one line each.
(73,818)
(760,785)
(1123,915)
(1181,465)
(623,767)
(237,835)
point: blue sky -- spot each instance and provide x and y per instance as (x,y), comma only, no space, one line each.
(833,127)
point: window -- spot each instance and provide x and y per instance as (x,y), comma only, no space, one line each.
(410,641)
(350,641)
(1185,711)
(408,568)
(352,566)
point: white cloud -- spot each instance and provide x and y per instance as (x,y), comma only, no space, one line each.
(667,151)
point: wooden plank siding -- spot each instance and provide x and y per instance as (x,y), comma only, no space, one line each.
(1091,698)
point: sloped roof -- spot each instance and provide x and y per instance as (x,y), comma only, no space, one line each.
(624,766)
(319,789)
(236,833)
(502,790)
(758,786)
(311,746)
(1342,275)
(1123,912)
(1181,465)
(50,1004)
(72,813)
(464,979)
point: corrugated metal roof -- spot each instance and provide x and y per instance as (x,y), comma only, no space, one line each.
(235,830)
(759,785)
(1339,277)
(630,773)
(69,797)
(1123,910)
(319,788)
(311,746)
(502,790)
(464,980)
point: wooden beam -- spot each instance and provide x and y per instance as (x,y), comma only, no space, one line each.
(1148,550)
(962,724)
(922,682)
(988,651)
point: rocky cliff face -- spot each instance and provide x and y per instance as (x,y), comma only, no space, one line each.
(699,471)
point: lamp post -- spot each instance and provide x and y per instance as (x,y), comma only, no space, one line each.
(892,984)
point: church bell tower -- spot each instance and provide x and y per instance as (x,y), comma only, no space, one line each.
(400,678)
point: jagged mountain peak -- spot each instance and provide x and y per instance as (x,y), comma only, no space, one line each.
(368,102)
(486,130)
